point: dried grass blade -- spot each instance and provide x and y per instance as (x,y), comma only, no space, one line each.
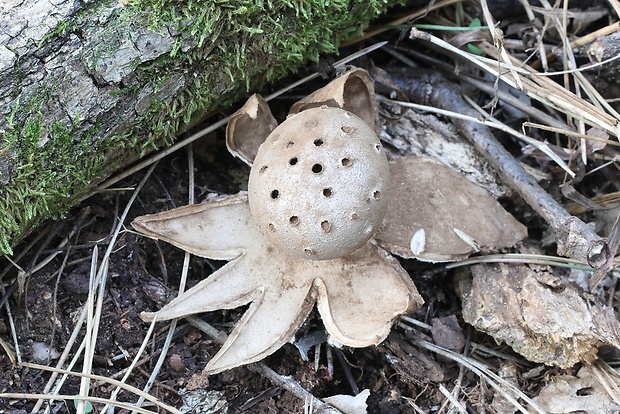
(541,146)
(498,40)
(74,397)
(570,133)
(498,383)
(601,369)
(537,87)
(105,380)
(184,273)
(548,92)
(89,350)
(456,404)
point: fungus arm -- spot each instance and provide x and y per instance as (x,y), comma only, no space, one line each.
(363,295)
(220,229)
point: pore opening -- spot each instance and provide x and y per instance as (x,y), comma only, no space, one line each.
(326,226)
(317,168)
(275,194)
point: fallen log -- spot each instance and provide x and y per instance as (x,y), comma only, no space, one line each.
(88,87)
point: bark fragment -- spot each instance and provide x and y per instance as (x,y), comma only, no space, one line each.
(536,314)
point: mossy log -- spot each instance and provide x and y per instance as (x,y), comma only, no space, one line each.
(87,87)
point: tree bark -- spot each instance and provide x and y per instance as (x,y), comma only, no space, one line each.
(87,87)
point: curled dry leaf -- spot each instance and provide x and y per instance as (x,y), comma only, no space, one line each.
(542,320)
(583,393)
(349,404)
(437,215)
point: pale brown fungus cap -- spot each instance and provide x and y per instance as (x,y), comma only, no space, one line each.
(318,186)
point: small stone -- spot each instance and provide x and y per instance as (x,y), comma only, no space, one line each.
(176,363)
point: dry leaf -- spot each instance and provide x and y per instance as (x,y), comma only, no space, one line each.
(348,404)
(436,215)
(581,394)
(447,333)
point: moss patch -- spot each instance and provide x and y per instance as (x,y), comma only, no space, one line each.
(40,175)
(241,45)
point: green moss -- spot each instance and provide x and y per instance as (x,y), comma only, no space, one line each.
(243,44)
(231,46)
(62,28)
(42,174)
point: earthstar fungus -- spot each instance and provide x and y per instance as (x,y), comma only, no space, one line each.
(319,190)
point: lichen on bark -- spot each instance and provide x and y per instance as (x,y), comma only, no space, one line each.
(87,87)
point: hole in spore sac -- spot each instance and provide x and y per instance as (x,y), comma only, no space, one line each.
(317,168)
(376,194)
(327,192)
(326,226)
(378,147)
(318,142)
(290,144)
(272,228)
(263,169)
(293,161)
(275,194)
(346,162)
(294,220)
